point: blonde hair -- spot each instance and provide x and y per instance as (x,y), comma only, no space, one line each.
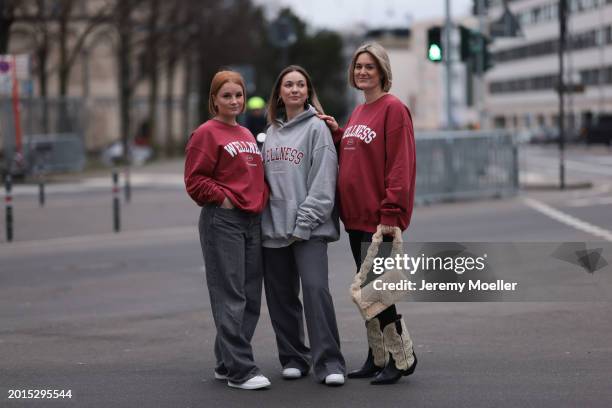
(381,57)
(275,103)
(220,79)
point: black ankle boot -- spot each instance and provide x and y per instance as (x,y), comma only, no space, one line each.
(402,359)
(391,374)
(369,369)
(376,352)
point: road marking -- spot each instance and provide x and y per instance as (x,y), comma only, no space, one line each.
(545,162)
(568,219)
(590,201)
(92,184)
(107,240)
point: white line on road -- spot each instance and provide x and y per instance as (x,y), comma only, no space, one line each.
(108,240)
(549,163)
(590,201)
(568,219)
(102,184)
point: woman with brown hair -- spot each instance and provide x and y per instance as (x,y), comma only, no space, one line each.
(301,169)
(224,175)
(377,168)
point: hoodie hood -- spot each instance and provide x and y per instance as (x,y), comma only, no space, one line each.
(307,114)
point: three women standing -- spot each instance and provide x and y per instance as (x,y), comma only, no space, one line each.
(376,191)
(224,173)
(301,171)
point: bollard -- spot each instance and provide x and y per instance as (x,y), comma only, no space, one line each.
(116,214)
(128,188)
(41,192)
(8,201)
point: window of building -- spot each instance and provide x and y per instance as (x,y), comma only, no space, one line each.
(499,122)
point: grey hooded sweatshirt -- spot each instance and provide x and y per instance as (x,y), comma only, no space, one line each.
(301,167)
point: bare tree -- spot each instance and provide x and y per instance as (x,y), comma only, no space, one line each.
(152,61)
(7,18)
(69,34)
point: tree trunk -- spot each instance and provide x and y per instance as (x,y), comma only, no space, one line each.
(185,105)
(169,106)
(6,20)
(152,58)
(123,58)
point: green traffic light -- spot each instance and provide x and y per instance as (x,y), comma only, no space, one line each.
(435,53)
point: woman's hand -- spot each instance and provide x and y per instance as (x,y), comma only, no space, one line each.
(330,122)
(387,229)
(227,204)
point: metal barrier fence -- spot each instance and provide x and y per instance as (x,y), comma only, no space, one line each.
(465,165)
(52,134)
(54,153)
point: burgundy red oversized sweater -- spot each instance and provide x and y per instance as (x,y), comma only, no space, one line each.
(223,161)
(377,163)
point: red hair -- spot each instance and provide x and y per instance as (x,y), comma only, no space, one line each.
(220,79)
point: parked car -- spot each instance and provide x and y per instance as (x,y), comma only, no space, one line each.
(598,130)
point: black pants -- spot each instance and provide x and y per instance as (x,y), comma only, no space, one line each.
(357,239)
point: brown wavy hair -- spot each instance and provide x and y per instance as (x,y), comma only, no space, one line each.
(275,103)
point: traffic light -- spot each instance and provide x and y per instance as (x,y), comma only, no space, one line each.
(472,43)
(467,40)
(435,51)
(489,60)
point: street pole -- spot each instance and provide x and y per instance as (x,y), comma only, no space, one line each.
(480,65)
(116,205)
(450,124)
(8,203)
(562,43)
(602,63)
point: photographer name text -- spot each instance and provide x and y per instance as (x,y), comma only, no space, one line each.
(460,287)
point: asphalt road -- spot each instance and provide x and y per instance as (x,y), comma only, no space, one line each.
(124,319)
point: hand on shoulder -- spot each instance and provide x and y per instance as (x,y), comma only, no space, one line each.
(330,121)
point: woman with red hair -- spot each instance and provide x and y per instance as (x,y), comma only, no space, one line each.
(224,175)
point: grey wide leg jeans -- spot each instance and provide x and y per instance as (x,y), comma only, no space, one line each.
(231,245)
(283,270)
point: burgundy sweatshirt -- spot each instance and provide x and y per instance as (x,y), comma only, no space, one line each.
(377,164)
(223,161)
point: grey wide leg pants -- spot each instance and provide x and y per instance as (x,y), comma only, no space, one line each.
(283,270)
(231,245)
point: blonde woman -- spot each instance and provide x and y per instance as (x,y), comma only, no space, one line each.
(376,179)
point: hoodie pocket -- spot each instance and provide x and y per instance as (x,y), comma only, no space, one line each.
(278,219)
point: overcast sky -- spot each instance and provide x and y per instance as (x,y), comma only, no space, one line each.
(342,14)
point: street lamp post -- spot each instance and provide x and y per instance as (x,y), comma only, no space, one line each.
(450,124)
(561,89)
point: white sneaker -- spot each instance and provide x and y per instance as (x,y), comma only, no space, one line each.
(291,373)
(334,379)
(259,381)
(221,377)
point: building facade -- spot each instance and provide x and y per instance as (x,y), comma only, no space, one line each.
(521,89)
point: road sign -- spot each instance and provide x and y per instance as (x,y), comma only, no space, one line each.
(14,67)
